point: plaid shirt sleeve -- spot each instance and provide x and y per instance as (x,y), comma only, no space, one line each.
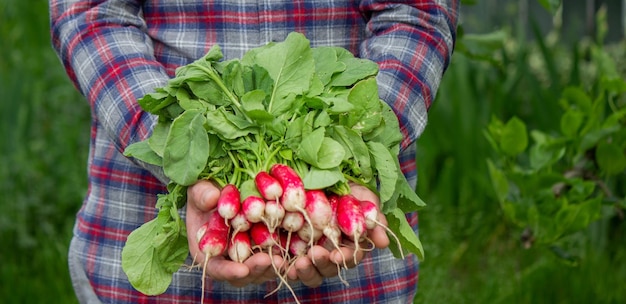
(412,41)
(116,51)
(110,59)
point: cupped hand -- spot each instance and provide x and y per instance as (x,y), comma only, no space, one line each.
(201,199)
(319,263)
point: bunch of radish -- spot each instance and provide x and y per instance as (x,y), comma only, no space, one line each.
(284,131)
(284,215)
(284,218)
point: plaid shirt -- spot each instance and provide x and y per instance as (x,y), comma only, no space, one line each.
(116,51)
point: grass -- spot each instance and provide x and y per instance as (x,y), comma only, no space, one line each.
(473,255)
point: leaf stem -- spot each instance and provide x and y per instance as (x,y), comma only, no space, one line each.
(216,78)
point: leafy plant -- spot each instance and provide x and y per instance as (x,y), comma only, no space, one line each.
(561,182)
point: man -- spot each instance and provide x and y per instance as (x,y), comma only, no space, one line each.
(117,51)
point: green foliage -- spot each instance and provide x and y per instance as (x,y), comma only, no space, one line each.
(477,252)
(44,124)
(550,5)
(568,178)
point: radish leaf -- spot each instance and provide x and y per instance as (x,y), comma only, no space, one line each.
(319,151)
(186,149)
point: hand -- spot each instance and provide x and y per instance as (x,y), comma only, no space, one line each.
(311,269)
(320,263)
(201,199)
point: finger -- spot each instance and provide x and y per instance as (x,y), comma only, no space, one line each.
(193,221)
(363,193)
(221,269)
(378,235)
(321,257)
(307,272)
(261,268)
(348,255)
(203,195)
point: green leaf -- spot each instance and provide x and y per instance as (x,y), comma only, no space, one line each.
(326,63)
(141,151)
(366,114)
(226,125)
(498,180)
(253,104)
(406,198)
(232,75)
(356,69)
(386,168)
(610,158)
(155,102)
(290,64)
(517,212)
(210,91)
(592,138)
(355,148)
(247,189)
(571,122)
(159,137)
(574,217)
(544,155)
(546,151)
(339,105)
(577,98)
(317,178)
(408,237)
(320,151)
(187,148)
(514,139)
(141,262)
(174,248)
(388,132)
(484,44)
(550,5)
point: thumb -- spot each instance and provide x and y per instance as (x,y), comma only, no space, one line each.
(203,196)
(201,199)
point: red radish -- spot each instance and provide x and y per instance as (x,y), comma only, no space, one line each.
(239,248)
(318,208)
(229,202)
(253,208)
(319,211)
(274,214)
(293,198)
(325,242)
(213,235)
(212,240)
(268,186)
(292,221)
(332,231)
(240,223)
(351,220)
(370,212)
(262,237)
(309,234)
(298,247)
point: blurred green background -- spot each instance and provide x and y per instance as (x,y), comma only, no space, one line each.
(515,59)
